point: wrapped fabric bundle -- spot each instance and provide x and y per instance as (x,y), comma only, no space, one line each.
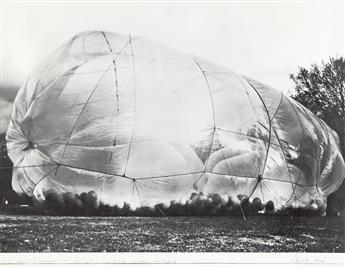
(137,122)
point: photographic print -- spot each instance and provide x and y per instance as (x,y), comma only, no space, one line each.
(172,127)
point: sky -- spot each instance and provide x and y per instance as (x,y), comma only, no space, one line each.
(263,40)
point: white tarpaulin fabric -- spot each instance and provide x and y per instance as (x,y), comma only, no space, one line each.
(141,123)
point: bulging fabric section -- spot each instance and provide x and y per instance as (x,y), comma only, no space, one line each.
(137,122)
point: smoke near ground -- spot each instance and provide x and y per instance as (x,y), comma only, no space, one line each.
(87,204)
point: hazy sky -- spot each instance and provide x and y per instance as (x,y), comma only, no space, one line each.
(266,41)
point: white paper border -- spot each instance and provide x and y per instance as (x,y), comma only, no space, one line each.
(171,258)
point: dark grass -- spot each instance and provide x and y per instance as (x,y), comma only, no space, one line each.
(178,234)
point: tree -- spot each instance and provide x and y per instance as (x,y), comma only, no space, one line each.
(6,192)
(322,90)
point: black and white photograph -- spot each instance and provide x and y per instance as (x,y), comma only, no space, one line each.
(172,127)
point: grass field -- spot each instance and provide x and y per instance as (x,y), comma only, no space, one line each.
(178,234)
